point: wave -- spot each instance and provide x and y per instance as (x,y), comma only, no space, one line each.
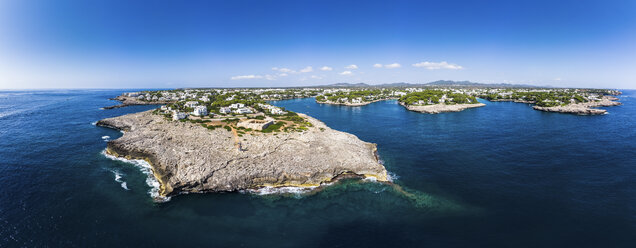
(268,190)
(106,138)
(94,123)
(118,179)
(145,168)
(392,176)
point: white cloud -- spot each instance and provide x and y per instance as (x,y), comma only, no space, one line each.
(283,74)
(307,69)
(315,77)
(283,70)
(392,66)
(377,65)
(326,68)
(438,65)
(270,77)
(346,73)
(351,67)
(246,77)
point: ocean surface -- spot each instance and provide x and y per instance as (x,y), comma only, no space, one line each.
(503,175)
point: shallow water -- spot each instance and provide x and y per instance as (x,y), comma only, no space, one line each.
(498,176)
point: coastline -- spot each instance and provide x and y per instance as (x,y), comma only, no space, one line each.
(131,101)
(440,108)
(353,104)
(252,168)
(586,108)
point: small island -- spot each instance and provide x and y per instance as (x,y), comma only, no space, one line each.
(435,101)
(230,141)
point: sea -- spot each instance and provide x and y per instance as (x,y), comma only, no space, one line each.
(503,175)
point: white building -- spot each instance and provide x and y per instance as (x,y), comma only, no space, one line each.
(237,105)
(178,115)
(243,111)
(225,110)
(200,111)
(191,104)
(277,111)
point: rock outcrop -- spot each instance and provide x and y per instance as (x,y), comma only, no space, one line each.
(187,157)
(129,101)
(585,108)
(440,108)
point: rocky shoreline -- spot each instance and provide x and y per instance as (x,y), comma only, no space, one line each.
(441,108)
(586,108)
(130,101)
(187,157)
(352,104)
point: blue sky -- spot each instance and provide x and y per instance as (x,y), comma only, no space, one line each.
(132,44)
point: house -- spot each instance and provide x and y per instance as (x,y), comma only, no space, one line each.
(191,104)
(200,111)
(237,105)
(178,115)
(243,111)
(225,110)
(277,111)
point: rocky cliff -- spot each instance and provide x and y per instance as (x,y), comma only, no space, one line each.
(186,157)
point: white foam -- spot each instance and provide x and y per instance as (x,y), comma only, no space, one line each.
(268,190)
(146,169)
(392,176)
(94,123)
(118,179)
(106,138)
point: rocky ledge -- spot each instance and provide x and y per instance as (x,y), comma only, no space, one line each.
(440,108)
(129,101)
(586,108)
(186,157)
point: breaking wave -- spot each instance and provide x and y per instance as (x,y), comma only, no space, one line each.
(146,169)
(106,138)
(118,179)
(268,190)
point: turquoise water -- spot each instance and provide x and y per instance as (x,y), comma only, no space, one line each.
(503,175)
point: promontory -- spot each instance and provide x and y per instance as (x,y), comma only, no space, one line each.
(242,149)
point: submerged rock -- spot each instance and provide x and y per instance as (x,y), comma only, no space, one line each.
(187,157)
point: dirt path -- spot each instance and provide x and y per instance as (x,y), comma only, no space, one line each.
(237,143)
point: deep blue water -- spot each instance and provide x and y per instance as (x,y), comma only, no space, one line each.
(503,175)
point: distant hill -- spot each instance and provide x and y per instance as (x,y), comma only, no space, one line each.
(442,83)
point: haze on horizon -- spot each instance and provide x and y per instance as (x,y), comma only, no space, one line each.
(168,44)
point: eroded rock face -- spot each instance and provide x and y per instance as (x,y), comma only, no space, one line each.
(189,158)
(586,108)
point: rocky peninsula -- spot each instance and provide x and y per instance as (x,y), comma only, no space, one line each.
(583,108)
(186,157)
(130,101)
(440,107)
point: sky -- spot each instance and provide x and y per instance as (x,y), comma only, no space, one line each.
(239,43)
